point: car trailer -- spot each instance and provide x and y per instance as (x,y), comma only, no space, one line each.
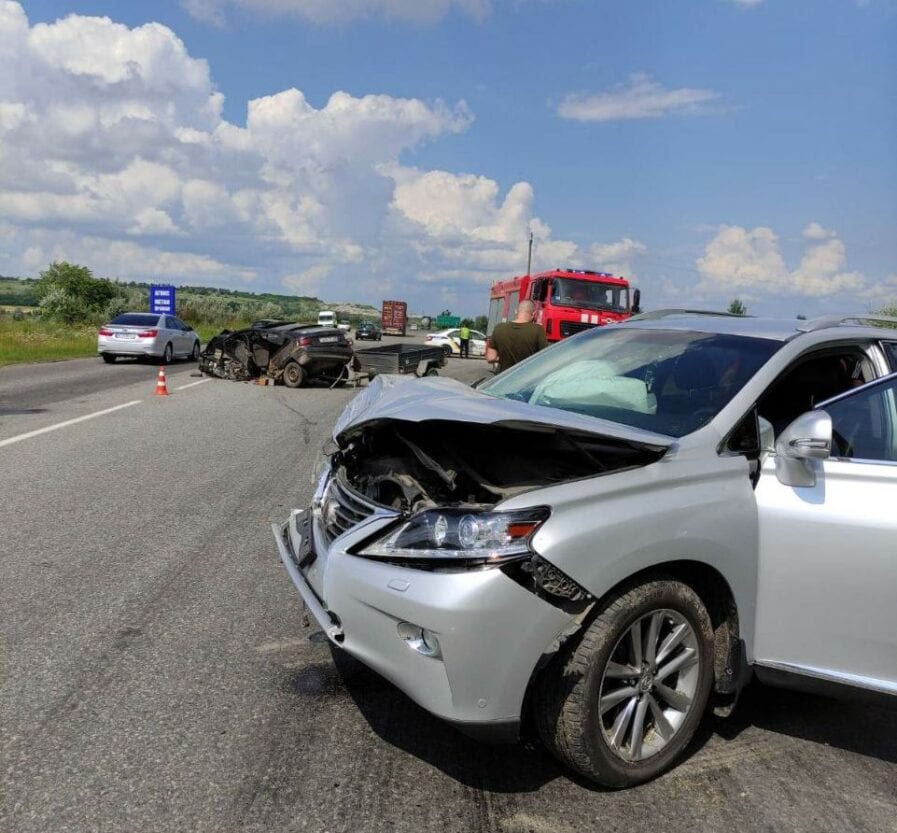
(396,358)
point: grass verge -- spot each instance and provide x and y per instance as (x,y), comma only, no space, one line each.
(44,341)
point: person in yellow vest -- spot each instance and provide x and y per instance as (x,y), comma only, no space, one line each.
(464,338)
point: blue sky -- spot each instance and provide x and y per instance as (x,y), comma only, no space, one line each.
(708,149)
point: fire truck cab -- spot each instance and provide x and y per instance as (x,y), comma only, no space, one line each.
(567,300)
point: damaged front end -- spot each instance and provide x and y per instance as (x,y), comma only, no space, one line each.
(414,466)
(238,356)
(454,485)
(431,507)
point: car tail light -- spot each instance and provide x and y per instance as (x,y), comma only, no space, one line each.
(148,334)
(304,341)
(104,332)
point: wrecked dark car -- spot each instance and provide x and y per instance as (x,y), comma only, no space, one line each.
(279,350)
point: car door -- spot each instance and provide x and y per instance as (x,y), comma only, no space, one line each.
(178,335)
(187,336)
(827,571)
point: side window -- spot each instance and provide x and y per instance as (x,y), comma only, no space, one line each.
(812,380)
(863,425)
(890,348)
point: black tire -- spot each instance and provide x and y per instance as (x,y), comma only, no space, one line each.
(194,355)
(447,349)
(108,358)
(293,375)
(431,371)
(567,714)
(168,355)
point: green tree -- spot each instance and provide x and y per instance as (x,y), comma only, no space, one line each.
(737,307)
(71,292)
(481,322)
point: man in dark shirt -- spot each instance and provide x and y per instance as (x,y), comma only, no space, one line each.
(516,340)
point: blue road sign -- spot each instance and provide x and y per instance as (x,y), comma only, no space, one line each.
(162,299)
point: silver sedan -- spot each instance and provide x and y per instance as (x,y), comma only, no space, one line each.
(147,335)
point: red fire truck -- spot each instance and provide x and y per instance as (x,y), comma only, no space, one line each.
(567,300)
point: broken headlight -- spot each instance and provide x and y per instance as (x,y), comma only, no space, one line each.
(443,537)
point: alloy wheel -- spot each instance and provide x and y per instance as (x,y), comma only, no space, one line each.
(649,684)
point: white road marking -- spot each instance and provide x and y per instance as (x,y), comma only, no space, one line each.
(65,424)
(192,384)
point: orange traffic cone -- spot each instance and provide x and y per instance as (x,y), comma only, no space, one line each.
(161,390)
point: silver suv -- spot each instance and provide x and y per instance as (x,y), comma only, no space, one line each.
(617,532)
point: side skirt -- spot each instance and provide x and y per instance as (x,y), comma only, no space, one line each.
(814,681)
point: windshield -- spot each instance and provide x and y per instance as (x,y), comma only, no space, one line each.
(589,294)
(134,319)
(668,381)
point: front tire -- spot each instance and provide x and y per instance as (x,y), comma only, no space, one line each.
(621,705)
(293,375)
(194,355)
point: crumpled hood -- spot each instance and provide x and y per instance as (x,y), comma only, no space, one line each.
(391,397)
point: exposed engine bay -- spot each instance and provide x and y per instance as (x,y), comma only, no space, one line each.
(411,466)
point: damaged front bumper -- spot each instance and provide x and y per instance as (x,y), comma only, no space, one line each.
(461,644)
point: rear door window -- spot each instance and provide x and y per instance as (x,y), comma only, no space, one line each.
(890,348)
(863,424)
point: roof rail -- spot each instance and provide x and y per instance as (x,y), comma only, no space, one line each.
(665,313)
(824,322)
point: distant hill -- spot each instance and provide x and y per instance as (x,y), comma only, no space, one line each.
(20,292)
(17,292)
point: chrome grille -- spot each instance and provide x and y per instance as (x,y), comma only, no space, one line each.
(343,508)
(569,328)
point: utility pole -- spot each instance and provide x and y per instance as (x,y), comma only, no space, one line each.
(529,257)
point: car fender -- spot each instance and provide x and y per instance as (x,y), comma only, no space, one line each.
(606,529)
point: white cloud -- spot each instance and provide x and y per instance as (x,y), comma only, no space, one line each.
(640,98)
(747,3)
(738,260)
(617,257)
(308,282)
(814,231)
(114,152)
(207,11)
(342,11)
(125,259)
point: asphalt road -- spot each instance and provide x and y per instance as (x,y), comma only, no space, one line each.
(155,674)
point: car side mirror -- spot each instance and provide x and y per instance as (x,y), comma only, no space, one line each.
(636,302)
(806,439)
